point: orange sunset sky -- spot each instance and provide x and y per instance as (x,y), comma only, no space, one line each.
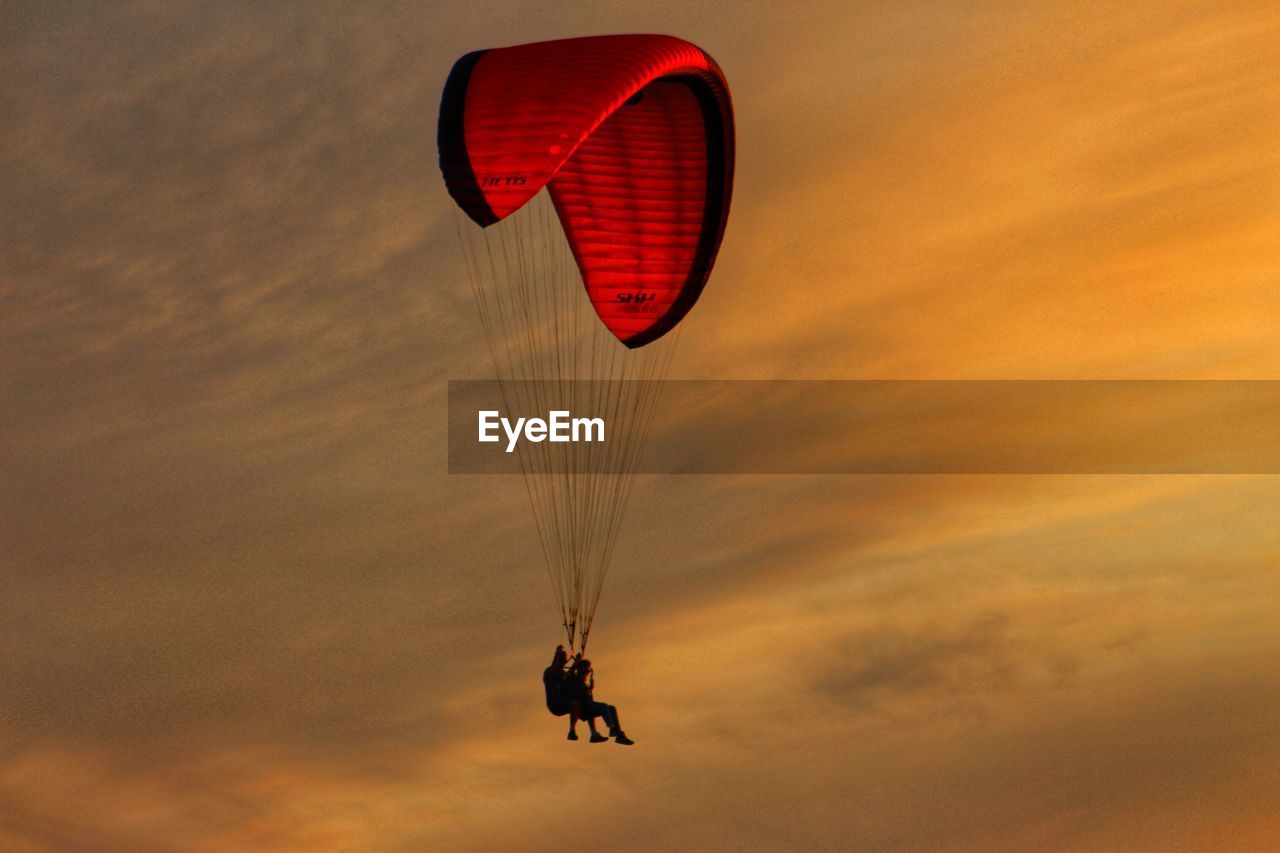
(243,606)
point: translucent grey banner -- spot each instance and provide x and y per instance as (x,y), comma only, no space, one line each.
(872,427)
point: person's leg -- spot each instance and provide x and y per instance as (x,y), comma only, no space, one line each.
(607,712)
(591,710)
(615,727)
(574,707)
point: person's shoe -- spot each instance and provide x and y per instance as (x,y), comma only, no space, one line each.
(622,738)
(596,737)
(572,736)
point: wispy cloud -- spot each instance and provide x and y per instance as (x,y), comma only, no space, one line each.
(245,608)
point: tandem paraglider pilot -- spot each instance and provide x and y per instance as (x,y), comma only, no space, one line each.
(570,688)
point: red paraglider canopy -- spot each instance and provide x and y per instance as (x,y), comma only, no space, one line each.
(633,137)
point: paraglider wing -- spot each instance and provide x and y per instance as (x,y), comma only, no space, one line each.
(603,164)
(633,138)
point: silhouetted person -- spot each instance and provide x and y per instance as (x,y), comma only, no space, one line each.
(578,689)
(553,681)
